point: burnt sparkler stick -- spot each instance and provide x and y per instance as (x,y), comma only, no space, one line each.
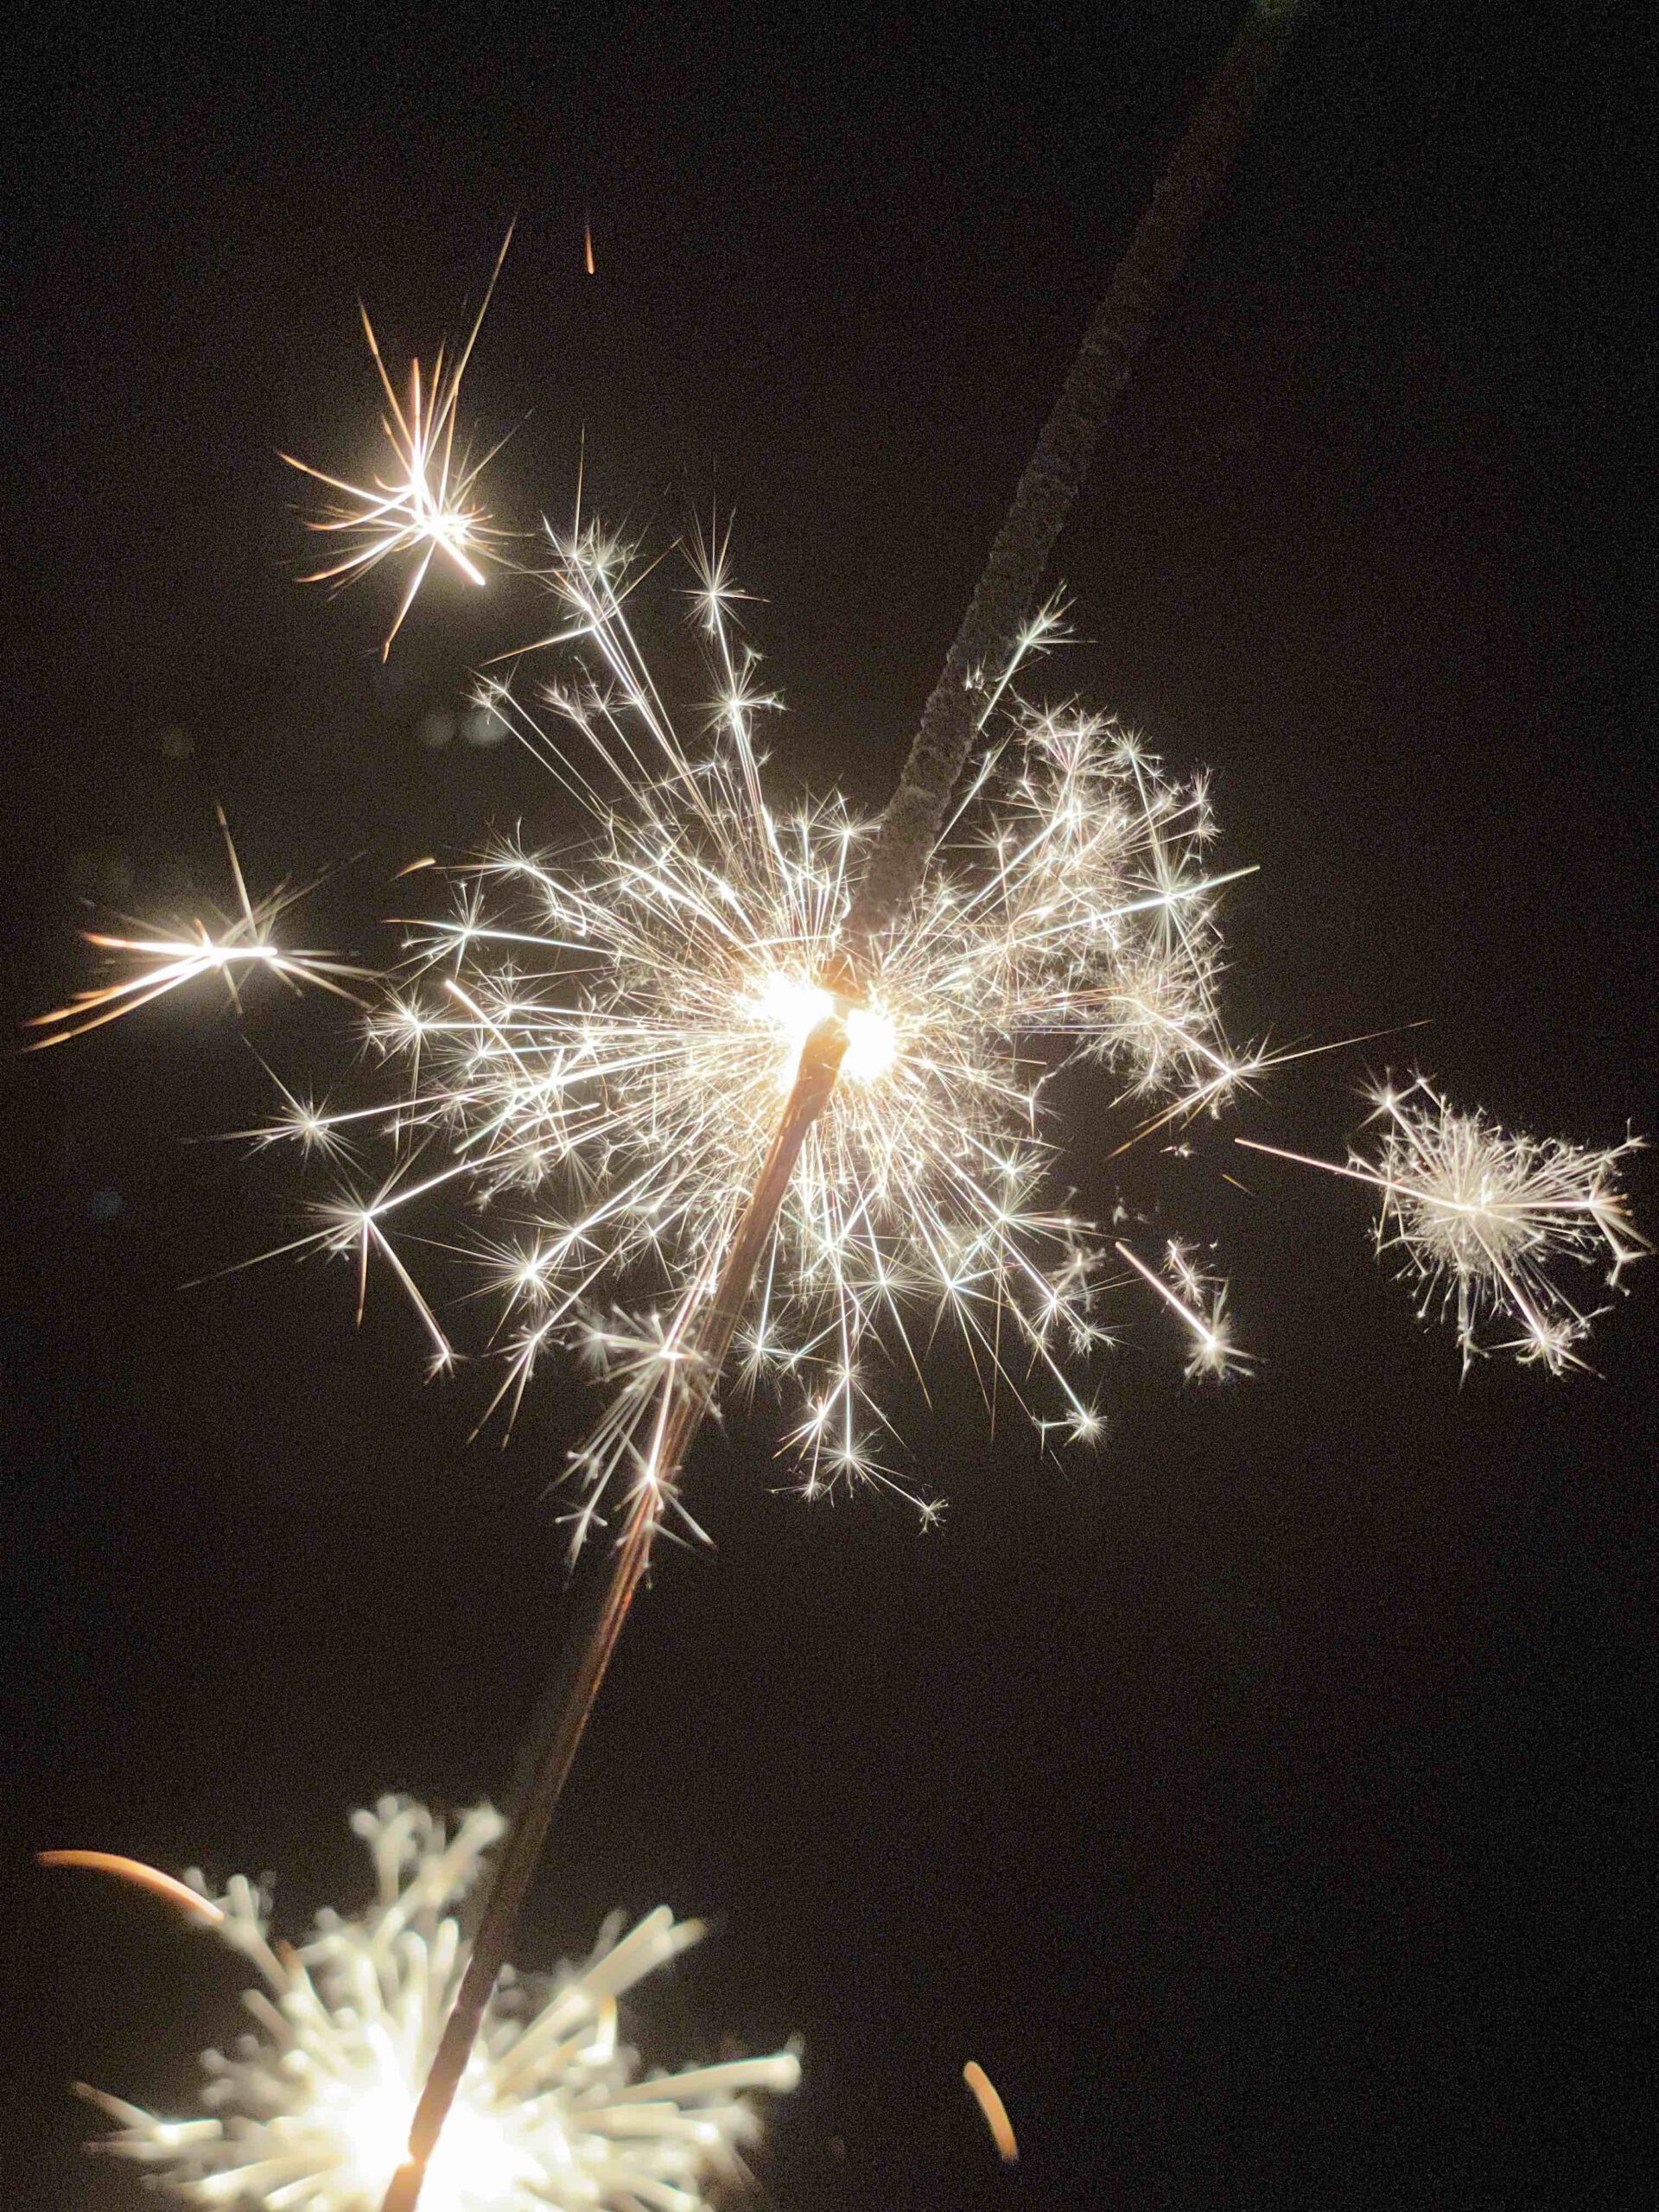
(1162,241)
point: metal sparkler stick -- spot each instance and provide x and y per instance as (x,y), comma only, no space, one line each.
(909,827)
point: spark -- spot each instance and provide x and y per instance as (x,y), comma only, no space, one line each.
(162,963)
(425,506)
(140,1876)
(994,2111)
(605,1034)
(1199,1300)
(1480,1219)
(313,2106)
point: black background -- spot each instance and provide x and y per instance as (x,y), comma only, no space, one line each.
(1259,1799)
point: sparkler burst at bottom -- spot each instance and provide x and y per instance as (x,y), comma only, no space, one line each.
(309,2112)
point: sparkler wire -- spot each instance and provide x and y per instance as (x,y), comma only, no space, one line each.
(908,832)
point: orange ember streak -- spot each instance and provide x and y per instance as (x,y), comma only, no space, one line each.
(587,246)
(414,866)
(135,1870)
(991,2105)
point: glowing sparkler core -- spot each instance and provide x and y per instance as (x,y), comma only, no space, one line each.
(477,2163)
(796,1008)
(314,2107)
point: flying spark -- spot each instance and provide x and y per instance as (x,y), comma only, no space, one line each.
(243,944)
(166,1887)
(425,506)
(995,2112)
(313,2106)
(1480,1219)
(1200,1299)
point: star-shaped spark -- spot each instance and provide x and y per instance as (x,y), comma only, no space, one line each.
(425,506)
(241,944)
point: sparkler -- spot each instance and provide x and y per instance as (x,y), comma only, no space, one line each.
(893,869)
(791,1072)
(711,954)
(1480,1217)
(311,2106)
(652,1046)
(604,1040)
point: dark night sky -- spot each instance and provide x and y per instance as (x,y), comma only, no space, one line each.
(1260,1800)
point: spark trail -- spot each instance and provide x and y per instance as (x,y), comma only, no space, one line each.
(245,943)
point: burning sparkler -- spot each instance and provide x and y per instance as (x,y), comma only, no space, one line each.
(657,1046)
(601,1040)
(313,2106)
(789,1069)
(1480,1217)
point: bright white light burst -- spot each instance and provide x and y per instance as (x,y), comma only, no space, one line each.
(159,963)
(598,1040)
(426,505)
(310,2112)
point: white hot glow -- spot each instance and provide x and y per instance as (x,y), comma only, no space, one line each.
(313,2106)
(796,1007)
(597,1039)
